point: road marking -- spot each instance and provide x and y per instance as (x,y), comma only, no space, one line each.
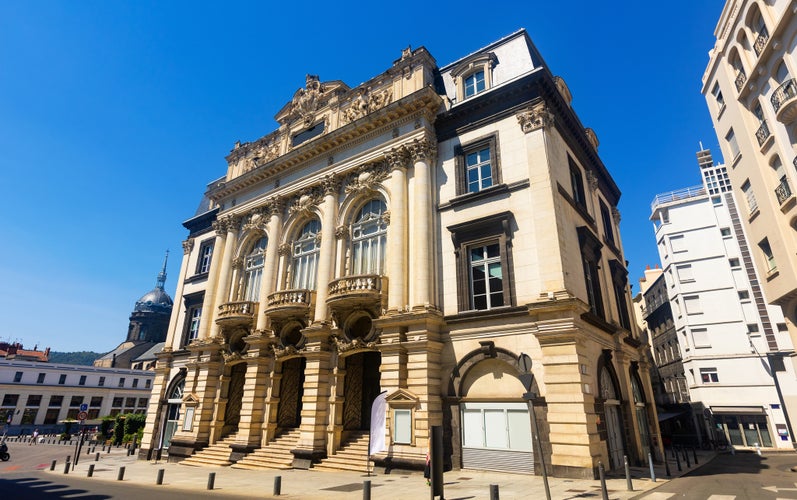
(659,495)
(722,497)
(12,467)
(775,489)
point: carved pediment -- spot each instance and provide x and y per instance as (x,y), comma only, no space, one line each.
(402,398)
(190,399)
(307,102)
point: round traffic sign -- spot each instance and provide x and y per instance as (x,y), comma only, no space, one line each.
(82,415)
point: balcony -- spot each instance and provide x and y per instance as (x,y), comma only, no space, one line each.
(784,101)
(763,133)
(740,79)
(761,41)
(367,290)
(237,313)
(290,303)
(783,191)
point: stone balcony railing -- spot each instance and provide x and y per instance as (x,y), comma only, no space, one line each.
(237,313)
(286,303)
(784,101)
(363,289)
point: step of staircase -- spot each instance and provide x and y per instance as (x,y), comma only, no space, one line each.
(277,455)
(352,455)
(217,454)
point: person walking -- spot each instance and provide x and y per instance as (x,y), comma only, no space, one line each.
(427,470)
(36,436)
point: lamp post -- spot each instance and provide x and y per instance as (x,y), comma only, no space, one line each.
(527,378)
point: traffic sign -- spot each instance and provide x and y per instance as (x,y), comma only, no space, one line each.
(84,407)
(82,415)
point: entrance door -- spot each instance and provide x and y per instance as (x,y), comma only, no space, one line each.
(611,411)
(289,412)
(174,404)
(235,395)
(361,386)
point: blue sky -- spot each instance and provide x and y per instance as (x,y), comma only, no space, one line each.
(115,115)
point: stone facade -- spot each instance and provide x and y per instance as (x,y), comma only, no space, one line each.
(413,235)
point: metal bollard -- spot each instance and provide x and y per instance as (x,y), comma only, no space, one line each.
(66,467)
(652,472)
(627,474)
(97,457)
(211,480)
(678,462)
(91,470)
(277,485)
(367,490)
(52,465)
(109,449)
(694,454)
(602,474)
(667,465)
(686,457)
(159,480)
(494,492)
(121,475)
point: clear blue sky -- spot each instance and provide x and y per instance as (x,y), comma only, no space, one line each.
(115,115)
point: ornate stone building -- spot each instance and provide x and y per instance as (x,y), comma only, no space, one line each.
(415,235)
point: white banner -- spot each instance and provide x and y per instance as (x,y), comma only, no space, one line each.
(378,424)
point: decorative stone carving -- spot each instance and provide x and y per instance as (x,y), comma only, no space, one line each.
(366,178)
(592,137)
(616,216)
(188,245)
(367,101)
(397,158)
(330,184)
(536,117)
(306,101)
(342,232)
(238,263)
(229,357)
(343,346)
(275,206)
(284,249)
(281,352)
(422,150)
(386,217)
(592,180)
(256,220)
(305,200)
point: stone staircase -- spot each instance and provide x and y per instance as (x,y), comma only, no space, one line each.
(351,456)
(216,454)
(277,455)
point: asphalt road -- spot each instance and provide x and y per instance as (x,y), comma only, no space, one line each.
(744,476)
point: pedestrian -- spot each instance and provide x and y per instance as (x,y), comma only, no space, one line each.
(35,436)
(427,470)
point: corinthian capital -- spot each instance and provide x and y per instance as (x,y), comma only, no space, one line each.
(422,150)
(330,184)
(342,232)
(284,249)
(397,158)
(276,206)
(188,245)
(220,226)
(536,117)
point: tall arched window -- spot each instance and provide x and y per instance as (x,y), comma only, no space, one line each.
(174,402)
(253,270)
(305,256)
(368,239)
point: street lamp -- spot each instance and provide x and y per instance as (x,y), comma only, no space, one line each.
(527,378)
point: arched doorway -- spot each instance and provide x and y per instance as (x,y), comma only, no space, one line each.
(289,411)
(640,406)
(235,394)
(612,420)
(174,403)
(361,386)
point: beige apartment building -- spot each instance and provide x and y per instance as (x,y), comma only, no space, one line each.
(414,235)
(750,86)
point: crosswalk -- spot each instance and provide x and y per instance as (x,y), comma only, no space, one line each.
(661,495)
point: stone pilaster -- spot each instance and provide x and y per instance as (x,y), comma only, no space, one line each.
(213,275)
(422,152)
(268,283)
(397,258)
(223,284)
(326,258)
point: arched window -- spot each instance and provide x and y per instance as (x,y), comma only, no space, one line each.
(253,270)
(174,402)
(740,77)
(305,256)
(369,239)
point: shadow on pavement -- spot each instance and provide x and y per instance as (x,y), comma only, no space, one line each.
(747,462)
(34,489)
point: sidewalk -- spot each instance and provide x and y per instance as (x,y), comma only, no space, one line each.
(308,484)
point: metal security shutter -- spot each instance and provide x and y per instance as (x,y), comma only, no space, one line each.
(498,460)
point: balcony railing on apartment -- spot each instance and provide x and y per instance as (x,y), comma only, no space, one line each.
(761,41)
(762,133)
(783,191)
(783,101)
(681,194)
(740,79)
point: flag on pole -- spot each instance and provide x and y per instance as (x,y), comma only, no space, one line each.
(378,424)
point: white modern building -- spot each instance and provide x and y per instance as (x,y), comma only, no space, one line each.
(41,395)
(732,343)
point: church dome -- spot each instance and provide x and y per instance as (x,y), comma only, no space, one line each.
(156,300)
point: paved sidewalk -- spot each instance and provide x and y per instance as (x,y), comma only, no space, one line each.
(309,484)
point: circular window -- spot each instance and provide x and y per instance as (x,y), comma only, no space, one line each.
(291,335)
(359,327)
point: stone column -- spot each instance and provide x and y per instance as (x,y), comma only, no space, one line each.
(209,300)
(172,337)
(315,401)
(326,258)
(422,152)
(397,258)
(268,282)
(223,284)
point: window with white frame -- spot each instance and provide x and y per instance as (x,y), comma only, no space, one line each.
(685,273)
(305,256)
(368,239)
(473,75)
(709,375)
(253,270)
(477,165)
(733,144)
(474,83)
(205,254)
(700,337)
(717,93)
(769,257)
(749,196)
(486,277)
(692,304)
(478,171)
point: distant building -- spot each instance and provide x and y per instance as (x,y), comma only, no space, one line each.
(149,323)
(15,351)
(731,342)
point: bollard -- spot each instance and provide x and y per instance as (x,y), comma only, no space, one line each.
(493,492)
(91,470)
(277,485)
(93,448)
(694,454)
(602,474)
(159,480)
(109,449)
(52,465)
(652,472)
(211,480)
(97,457)
(367,490)
(686,457)
(627,474)
(678,462)
(66,467)
(121,474)
(667,465)
(758,449)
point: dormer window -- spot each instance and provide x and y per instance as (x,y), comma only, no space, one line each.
(473,75)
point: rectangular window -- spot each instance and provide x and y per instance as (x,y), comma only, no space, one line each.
(477,165)
(117,402)
(685,273)
(709,375)
(700,337)
(678,243)
(402,426)
(10,399)
(101,383)
(18,377)
(692,305)
(135,383)
(308,134)
(122,382)
(56,401)
(40,379)
(148,384)
(620,285)
(478,172)
(51,417)
(62,379)
(96,401)
(606,218)
(130,402)
(142,402)
(82,380)
(205,254)
(577,183)
(769,257)
(752,329)
(744,295)
(195,315)
(34,400)
(749,196)
(76,401)
(725,232)
(717,93)
(734,262)
(474,83)
(730,137)
(486,277)
(590,260)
